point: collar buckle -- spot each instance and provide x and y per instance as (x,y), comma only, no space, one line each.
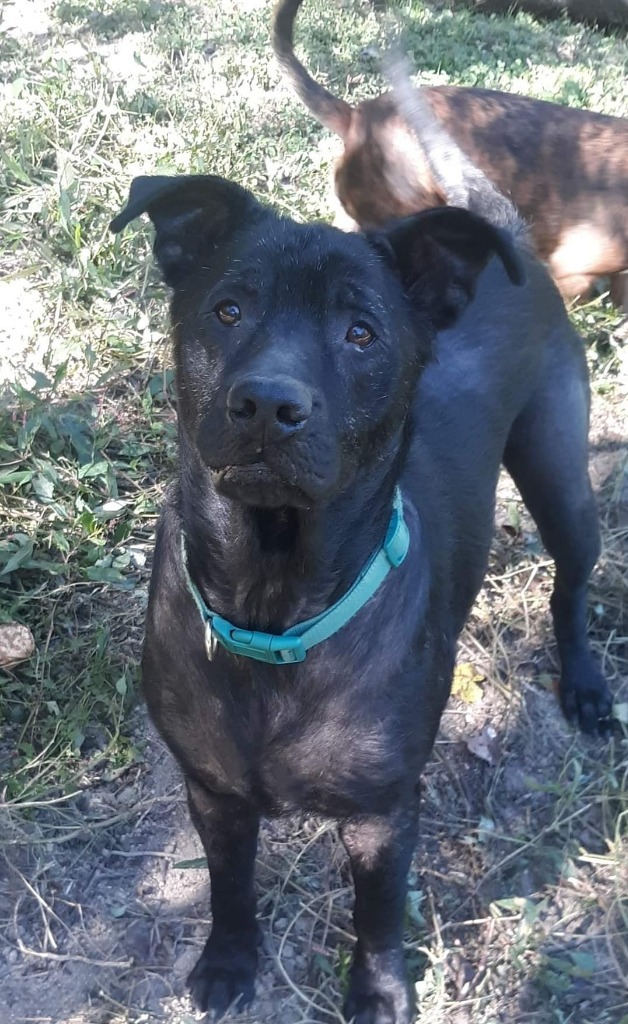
(211,641)
(274,650)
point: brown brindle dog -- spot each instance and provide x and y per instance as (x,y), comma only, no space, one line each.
(566,170)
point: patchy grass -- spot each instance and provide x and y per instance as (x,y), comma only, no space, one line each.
(518,906)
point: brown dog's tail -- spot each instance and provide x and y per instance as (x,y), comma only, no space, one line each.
(462,183)
(330,110)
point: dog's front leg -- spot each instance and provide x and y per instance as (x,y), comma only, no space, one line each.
(380,850)
(225,972)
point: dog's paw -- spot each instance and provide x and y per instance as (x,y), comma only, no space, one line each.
(223,979)
(378,991)
(585,696)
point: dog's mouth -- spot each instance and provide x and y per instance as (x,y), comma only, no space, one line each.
(258,485)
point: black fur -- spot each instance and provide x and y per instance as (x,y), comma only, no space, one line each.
(292,440)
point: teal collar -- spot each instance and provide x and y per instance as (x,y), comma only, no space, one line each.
(293,645)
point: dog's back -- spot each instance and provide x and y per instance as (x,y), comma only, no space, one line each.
(565,169)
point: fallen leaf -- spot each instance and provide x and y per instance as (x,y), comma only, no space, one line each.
(16,644)
(198,862)
(485,745)
(465,683)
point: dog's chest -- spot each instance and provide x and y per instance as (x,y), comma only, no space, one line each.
(334,762)
(343,733)
(326,748)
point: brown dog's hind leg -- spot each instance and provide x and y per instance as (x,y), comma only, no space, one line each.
(547,457)
(380,850)
(225,973)
(574,287)
(619,290)
(580,287)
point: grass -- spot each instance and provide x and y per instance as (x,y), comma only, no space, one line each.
(519,892)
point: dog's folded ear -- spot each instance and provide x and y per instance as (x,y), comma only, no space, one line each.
(192,214)
(441,253)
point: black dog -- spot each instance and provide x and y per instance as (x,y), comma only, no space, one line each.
(344,403)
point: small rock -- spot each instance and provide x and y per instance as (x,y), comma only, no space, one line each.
(16,644)
(287,951)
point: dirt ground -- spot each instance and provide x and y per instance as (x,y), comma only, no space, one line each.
(515,861)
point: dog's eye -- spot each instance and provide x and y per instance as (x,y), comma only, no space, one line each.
(228,312)
(360,334)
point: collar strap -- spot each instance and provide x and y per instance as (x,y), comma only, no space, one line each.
(293,645)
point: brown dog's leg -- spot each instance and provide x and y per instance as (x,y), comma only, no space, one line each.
(225,972)
(575,286)
(380,850)
(580,286)
(582,257)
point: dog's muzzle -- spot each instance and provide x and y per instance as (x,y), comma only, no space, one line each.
(270,443)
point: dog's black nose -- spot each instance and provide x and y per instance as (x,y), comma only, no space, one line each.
(275,405)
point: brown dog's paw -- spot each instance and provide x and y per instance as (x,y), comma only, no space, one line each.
(222,980)
(378,991)
(585,696)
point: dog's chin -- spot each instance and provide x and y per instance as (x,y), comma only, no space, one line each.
(259,486)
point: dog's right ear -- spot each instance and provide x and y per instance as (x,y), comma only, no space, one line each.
(440,254)
(192,215)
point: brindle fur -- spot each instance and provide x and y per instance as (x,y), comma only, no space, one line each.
(565,169)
